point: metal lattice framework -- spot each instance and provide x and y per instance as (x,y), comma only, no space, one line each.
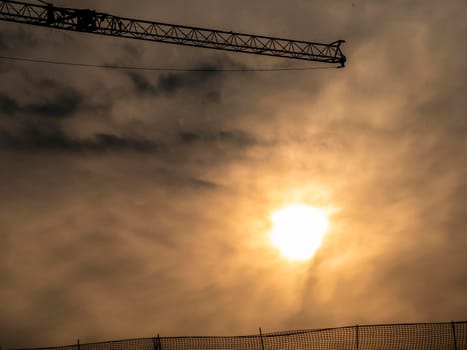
(84,20)
(413,336)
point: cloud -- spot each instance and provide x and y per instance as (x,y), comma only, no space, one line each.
(171,83)
(65,102)
(236,137)
(2,42)
(63,105)
(139,202)
(8,106)
(205,79)
(141,84)
(36,126)
(15,37)
(53,139)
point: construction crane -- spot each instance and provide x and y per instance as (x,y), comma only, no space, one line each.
(90,21)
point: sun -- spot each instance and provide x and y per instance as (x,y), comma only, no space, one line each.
(298,230)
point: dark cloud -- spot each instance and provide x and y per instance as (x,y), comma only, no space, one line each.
(136,202)
(203,184)
(16,37)
(235,137)
(181,181)
(2,42)
(205,79)
(142,85)
(8,106)
(205,84)
(171,83)
(63,104)
(52,138)
(67,102)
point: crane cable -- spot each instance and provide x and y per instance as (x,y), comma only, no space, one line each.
(160,69)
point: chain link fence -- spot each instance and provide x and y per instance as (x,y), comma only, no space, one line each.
(414,336)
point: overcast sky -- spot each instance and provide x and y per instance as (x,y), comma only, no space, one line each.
(135,203)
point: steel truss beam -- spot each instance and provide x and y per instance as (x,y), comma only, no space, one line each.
(84,20)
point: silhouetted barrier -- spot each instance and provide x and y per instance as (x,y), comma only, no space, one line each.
(426,336)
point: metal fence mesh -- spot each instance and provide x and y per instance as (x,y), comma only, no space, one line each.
(426,336)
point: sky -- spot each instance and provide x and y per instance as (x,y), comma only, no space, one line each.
(139,202)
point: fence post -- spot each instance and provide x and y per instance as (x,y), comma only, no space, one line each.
(77,343)
(159,341)
(154,344)
(261,336)
(453,325)
(356,337)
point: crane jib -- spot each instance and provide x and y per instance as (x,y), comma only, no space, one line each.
(90,21)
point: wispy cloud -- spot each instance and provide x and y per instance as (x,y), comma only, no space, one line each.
(139,202)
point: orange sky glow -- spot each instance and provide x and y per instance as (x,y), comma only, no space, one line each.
(135,203)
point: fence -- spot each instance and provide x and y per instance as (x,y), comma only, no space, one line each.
(426,336)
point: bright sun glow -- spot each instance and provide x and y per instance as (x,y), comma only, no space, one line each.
(298,230)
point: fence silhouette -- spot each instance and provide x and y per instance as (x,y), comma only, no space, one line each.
(413,336)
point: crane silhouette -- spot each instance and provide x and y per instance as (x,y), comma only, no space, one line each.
(90,21)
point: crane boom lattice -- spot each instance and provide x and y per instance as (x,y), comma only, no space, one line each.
(90,21)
